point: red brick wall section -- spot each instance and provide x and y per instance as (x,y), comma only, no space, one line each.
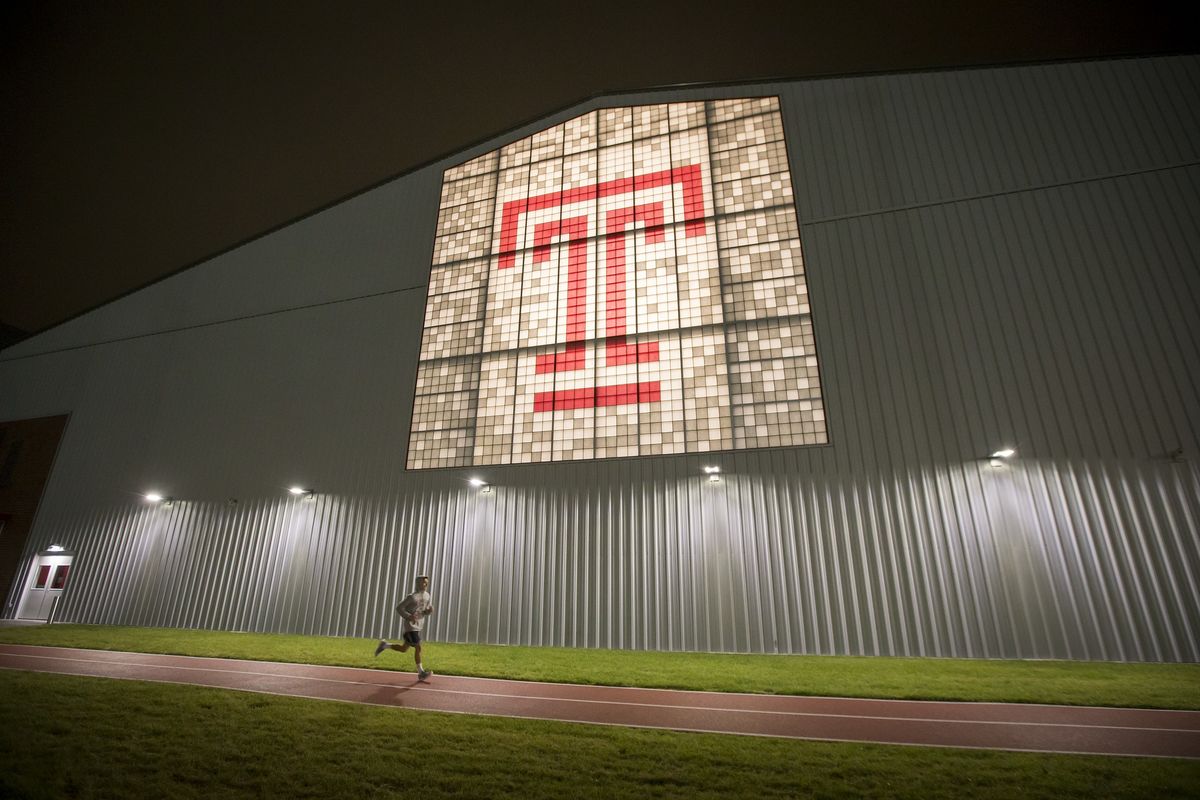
(27,449)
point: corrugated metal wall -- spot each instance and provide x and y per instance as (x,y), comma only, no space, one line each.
(994,257)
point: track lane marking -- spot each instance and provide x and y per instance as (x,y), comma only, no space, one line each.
(955,703)
(568,721)
(467,693)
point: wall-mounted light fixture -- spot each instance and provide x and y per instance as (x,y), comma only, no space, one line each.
(999,456)
(155,497)
(54,548)
(479,483)
(713,473)
(301,492)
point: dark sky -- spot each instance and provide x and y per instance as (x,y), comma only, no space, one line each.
(138,138)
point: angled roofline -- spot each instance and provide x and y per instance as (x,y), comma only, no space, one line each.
(613,93)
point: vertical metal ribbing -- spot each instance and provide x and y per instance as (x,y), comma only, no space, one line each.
(993,253)
(186,585)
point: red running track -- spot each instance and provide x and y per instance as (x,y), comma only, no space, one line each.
(1005,726)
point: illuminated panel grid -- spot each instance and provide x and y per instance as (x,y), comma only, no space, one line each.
(627,283)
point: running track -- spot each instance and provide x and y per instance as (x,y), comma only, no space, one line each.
(1005,726)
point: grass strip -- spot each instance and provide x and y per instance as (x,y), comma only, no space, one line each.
(1058,682)
(69,736)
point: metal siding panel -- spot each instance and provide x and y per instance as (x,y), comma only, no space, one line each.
(994,256)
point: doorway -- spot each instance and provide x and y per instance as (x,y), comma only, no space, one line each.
(47,580)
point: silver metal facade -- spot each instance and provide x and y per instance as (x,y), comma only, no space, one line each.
(994,256)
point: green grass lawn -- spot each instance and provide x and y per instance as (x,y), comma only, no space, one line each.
(73,737)
(1065,682)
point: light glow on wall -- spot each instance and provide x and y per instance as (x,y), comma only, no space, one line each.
(627,283)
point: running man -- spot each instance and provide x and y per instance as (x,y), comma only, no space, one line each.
(413,609)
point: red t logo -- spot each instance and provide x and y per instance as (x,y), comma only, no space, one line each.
(616,221)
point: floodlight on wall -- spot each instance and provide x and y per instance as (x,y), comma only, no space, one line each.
(999,456)
(479,483)
(154,497)
(711,470)
(301,492)
(54,548)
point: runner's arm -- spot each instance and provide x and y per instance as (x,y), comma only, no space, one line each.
(407,608)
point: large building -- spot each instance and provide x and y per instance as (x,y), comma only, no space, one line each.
(897,364)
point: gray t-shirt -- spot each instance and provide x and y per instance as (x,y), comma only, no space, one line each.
(417,605)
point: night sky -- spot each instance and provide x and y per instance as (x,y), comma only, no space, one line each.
(139,138)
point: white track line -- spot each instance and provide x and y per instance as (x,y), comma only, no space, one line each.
(468,693)
(972,703)
(885,742)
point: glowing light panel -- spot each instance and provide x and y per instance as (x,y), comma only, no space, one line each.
(629,282)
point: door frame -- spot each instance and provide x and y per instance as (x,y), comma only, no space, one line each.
(55,558)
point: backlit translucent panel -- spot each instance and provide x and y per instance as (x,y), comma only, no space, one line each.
(572,404)
(458,276)
(762,262)
(650,121)
(445,309)
(660,423)
(448,341)
(723,110)
(627,282)
(533,422)
(686,115)
(747,131)
(575,318)
(580,134)
(460,246)
(463,191)
(655,279)
(705,390)
(447,375)
(483,165)
(446,410)
(546,145)
(539,294)
(494,425)
(615,126)
(515,154)
(754,192)
(698,279)
(760,159)
(467,217)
